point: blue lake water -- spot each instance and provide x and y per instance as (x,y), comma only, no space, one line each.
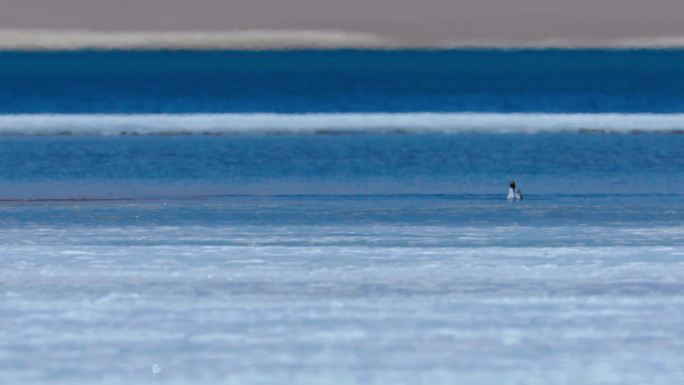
(276,253)
(343,81)
(144,166)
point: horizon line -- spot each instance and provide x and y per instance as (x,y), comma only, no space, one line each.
(288,39)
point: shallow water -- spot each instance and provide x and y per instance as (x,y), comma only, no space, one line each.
(321,289)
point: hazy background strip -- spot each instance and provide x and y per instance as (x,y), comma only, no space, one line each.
(58,24)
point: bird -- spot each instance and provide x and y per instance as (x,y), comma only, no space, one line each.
(514,194)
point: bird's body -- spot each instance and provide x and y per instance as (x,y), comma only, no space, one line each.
(514,194)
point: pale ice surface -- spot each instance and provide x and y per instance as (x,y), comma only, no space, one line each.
(343,290)
(311,123)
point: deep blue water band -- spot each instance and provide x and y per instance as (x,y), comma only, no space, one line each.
(342,81)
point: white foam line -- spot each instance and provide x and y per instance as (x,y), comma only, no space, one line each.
(236,123)
(46,39)
(76,39)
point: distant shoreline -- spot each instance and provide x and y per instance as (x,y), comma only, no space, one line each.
(69,40)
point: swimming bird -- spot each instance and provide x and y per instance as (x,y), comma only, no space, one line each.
(513,193)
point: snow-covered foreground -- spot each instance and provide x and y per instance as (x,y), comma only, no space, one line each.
(92,295)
